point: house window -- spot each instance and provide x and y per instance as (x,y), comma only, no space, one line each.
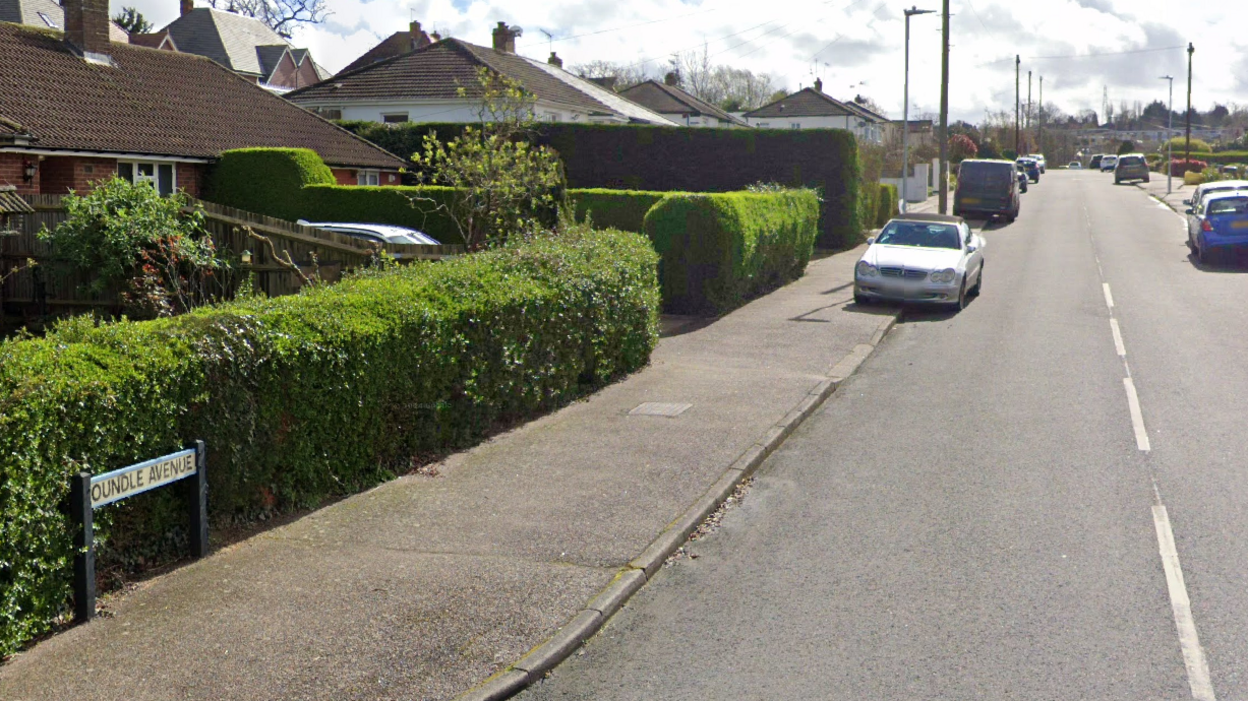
(162,176)
(795,125)
(47,20)
(330,112)
(764,125)
(367,177)
(394,118)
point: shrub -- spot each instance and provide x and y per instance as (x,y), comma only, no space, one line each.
(1179,143)
(889,204)
(613,209)
(1179,166)
(266,180)
(1193,178)
(868,204)
(679,159)
(1125,147)
(303,397)
(718,250)
(961,147)
(424,208)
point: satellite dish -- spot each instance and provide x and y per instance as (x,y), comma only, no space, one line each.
(517,31)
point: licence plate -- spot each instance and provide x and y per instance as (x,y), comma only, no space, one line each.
(970,200)
(1241,224)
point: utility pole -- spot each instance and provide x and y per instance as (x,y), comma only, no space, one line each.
(1187,148)
(1040,126)
(1027,114)
(905,120)
(1170,139)
(1018,62)
(944,109)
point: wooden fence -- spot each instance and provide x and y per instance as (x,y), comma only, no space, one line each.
(54,287)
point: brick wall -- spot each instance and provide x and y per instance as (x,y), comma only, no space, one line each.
(345,176)
(58,175)
(191,178)
(11,173)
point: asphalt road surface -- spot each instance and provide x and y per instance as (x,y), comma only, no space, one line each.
(1042,497)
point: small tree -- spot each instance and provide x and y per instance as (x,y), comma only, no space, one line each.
(132,21)
(1127,146)
(154,249)
(504,183)
(961,147)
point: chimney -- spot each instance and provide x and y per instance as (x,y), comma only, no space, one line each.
(187,6)
(419,39)
(672,78)
(554,60)
(818,85)
(504,38)
(86,28)
(435,36)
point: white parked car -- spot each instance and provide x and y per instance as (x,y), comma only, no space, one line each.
(377,233)
(925,258)
(1108,163)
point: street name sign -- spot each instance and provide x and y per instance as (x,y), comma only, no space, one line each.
(136,479)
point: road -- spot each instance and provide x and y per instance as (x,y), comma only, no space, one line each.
(1041,497)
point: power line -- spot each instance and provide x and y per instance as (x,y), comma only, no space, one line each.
(1075,56)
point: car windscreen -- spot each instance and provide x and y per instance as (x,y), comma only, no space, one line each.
(921,234)
(1228,205)
(980,174)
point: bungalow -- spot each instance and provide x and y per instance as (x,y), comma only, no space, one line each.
(811,108)
(438,83)
(671,101)
(77,108)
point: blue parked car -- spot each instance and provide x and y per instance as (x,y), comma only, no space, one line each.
(1031,166)
(1222,225)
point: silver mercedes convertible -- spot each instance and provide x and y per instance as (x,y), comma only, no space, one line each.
(924,258)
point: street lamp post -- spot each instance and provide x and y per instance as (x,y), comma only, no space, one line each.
(905,120)
(1170,138)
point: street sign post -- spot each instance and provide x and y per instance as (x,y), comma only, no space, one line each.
(88,493)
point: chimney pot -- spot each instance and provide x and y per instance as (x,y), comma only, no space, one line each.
(672,78)
(187,6)
(419,39)
(435,36)
(554,60)
(86,28)
(818,85)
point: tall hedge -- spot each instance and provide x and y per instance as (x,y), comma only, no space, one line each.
(303,397)
(889,204)
(262,180)
(425,208)
(613,209)
(718,250)
(671,159)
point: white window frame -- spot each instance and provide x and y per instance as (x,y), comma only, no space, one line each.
(795,125)
(386,117)
(368,177)
(154,178)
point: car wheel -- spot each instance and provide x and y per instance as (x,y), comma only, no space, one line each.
(1204,255)
(961,303)
(1145,179)
(979,282)
(860,300)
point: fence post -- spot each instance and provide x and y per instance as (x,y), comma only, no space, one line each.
(197,491)
(84,547)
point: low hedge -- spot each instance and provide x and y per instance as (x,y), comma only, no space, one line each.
(266,180)
(425,208)
(300,398)
(614,209)
(718,250)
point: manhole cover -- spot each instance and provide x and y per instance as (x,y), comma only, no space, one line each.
(668,409)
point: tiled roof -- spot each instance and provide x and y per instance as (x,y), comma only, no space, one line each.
(439,71)
(396,44)
(10,203)
(807,102)
(155,102)
(670,99)
(269,57)
(228,38)
(865,112)
(33,12)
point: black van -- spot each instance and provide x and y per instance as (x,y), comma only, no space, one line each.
(986,188)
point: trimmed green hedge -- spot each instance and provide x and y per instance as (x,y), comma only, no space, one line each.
(300,398)
(718,250)
(425,208)
(614,209)
(679,159)
(266,180)
(889,204)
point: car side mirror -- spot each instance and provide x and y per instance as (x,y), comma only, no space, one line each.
(870,240)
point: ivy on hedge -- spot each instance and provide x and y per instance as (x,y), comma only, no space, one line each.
(718,250)
(261,180)
(301,398)
(679,159)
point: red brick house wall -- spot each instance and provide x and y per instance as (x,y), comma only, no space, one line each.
(59,175)
(191,178)
(345,176)
(11,173)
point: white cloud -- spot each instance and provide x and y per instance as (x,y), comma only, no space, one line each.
(855,46)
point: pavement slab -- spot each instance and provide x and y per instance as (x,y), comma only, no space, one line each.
(428,585)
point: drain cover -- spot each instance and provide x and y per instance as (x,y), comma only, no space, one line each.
(668,409)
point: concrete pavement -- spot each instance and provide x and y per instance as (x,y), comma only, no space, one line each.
(427,586)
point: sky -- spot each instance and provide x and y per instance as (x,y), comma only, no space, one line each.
(1080,47)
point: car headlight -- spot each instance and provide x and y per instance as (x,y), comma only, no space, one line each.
(944,276)
(865,269)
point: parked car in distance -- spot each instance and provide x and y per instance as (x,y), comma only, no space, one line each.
(1222,227)
(1031,167)
(987,188)
(1023,178)
(377,233)
(924,258)
(1131,166)
(1095,163)
(1197,201)
(1039,159)
(1108,163)
(1074,165)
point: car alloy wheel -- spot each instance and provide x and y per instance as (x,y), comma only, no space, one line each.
(979,282)
(961,303)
